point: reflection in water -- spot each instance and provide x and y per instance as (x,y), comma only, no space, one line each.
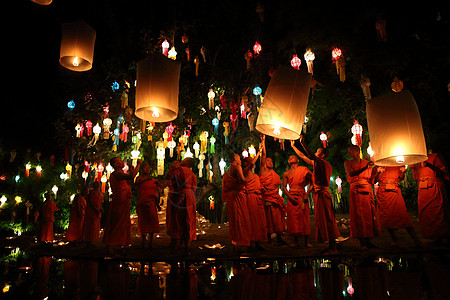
(417,277)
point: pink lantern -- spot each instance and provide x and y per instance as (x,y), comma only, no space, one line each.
(357,130)
(257,48)
(339,184)
(165,47)
(323,137)
(88,127)
(296,62)
(169,129)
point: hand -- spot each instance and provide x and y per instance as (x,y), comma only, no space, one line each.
(402,169)
(260,147)
(292,143)
(301,138)
(263,137)
(381,169)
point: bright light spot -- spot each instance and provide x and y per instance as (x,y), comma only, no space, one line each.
(400,159)
(276,130)
(155,112)
(75,61)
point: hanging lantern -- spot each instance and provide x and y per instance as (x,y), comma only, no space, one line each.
(252,151)
(71,105)
(323,137)
(212,141)
(222,165)
(171,144)
(370,151)
(165,47)
(245,153)
(196,149)
(160,155)
(27,170)
(172,54)
(215,123)
(357,130)
(335,54)
(157,88)
(257,48)
(309,58)
(395,130)
(77,46)
(103,180)
(339,184)
(200,165)
(296,62)
(284,108)
(134,157)
(248,57)
(211,96)
(38,172)
(397,85)
(69,170)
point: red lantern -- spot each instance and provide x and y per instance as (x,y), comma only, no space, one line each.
(296,62)
(336,53)
(357,130)
(257,48)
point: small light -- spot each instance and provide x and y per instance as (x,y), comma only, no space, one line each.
(276,130)
(75,61)
(400,159)
(71,104)
(155,112)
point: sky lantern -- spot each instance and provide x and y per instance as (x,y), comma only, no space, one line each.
(257,48)
(42,2)
(296,62)
(395,129)
(284,108)
(77,46)
(157,88)
(309,58)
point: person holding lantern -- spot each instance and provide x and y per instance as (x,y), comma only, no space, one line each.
(326,227)
(146,206)
(74,233)
(93,214)
(390,203)
(364,222)
(273,203)
(46,219)
(118,223)
(434,207)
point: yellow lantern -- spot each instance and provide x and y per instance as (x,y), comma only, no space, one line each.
(157,88)
(395,130)
(77,46)
(284,108)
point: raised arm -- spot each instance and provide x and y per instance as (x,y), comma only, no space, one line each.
(301,155)
(263,152)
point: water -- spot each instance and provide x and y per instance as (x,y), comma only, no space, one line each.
(413,277)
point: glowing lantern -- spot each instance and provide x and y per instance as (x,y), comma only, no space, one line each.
(323,137)
(42,2)
(226,131)
(71,104)
(350,288)
(257,48)
(171,144)
(18,199)
(211,207)
(77,46)
(339,184)
(27,169)
(88,127)
(357,130)
(309,58)
(245,153)
(103,181)
(201,157)
(215,123)
(211,96)
(188,153)
(107,122)
(196,149)
(157,88)
(212,141)
(109,170)
(252,151)
(397,85)
(370,151)
(395,130)
(38,172)
(134,157)
(257,91)
(296,62)
(222,165)
(3,200)
(284,108)
(172,53)
(165,47)
(335,54)
(97,130)
(79,129)
(55,190)
(69,170)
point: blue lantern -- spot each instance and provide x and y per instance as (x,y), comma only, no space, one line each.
(215,122)
(71,104)
(115,86)
(257,91)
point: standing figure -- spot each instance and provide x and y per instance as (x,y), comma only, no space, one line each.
(118,223)
(434,208)
(93,214)
(74,233)
(364,222)
(146,206)
(47,218)
(294,182)
(255,205)
(390,204)
(273,202)
(326,227)
(233,194)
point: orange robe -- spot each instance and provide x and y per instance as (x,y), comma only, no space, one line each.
(118,223)
(434,208)
(298,218)
(258,227)
(323,202)
(390,204)
(46,223)
(273,202)
(233,193)
(363,215)
(76,219)
(92,216)
(146,207)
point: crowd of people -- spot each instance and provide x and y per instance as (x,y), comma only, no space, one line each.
(255,209)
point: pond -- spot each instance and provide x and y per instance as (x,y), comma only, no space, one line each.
(417,276)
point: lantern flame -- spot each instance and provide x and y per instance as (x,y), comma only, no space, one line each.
(276,130)
(155,113)
(400,159)
(75,61)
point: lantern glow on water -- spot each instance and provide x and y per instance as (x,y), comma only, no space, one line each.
(395,130)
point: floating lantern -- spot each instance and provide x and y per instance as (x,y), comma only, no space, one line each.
(296,62)
(157,88)
(165,47)
(323,137)
(257,48)
(309,58)
(77,46)
(395,130)
(42,2)
(284,108)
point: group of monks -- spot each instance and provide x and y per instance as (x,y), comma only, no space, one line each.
(255,207)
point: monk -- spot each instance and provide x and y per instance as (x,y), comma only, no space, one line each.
(434,208)
(47,218)
(233,194)
(364,222)
(74,233)
(182,218)
(255,205)
(297,177)
(326,227)
(390,204)
(118,223)
(146,208)
(93,214)
(273,203)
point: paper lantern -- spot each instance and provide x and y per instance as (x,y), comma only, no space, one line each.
(395,130)
(284,108)
(257,48)
(42,2)
(157,88)
(357,131)
(77,46)
(296,62)
(323,137)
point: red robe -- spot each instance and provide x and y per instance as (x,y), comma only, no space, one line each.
(273,202)
(146,207)
(76,219)
(233,193)
(258,227)
(390,204)
(46,223)
(363,215)
(118,223)
(434,208)
(323,202)
(92,216)
(298,218)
